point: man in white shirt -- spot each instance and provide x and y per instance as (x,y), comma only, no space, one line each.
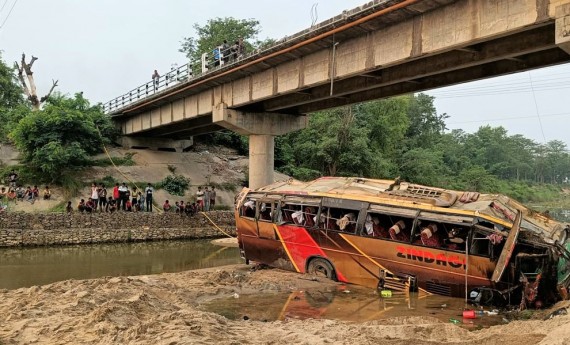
(200,199)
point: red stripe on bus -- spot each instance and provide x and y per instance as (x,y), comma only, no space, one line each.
(301,245)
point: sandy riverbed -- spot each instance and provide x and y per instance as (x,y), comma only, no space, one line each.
(163,309)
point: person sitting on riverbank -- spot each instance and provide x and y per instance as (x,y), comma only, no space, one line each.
(89,206)
(12,195)
(176,207)
(29,195)
(69,208)
(47,193)
(128,205)
(81,206)
(36,192)
(166,207)
(111,204)
(20,193)
(188,209)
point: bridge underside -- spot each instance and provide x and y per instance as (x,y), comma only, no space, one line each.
(525,50)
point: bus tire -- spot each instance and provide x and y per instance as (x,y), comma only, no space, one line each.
(321,267)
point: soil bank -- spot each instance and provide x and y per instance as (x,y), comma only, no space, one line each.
(164,309)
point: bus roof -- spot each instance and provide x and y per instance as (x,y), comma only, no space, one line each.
(498,207)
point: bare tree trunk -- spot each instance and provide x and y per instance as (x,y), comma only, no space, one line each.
(30,87)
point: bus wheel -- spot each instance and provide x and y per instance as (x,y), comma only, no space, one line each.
(321,267)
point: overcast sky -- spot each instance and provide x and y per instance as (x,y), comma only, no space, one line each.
(108,47)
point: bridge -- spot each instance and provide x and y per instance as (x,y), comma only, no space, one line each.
(381,49)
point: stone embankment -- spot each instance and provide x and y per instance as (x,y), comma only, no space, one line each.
(32,229)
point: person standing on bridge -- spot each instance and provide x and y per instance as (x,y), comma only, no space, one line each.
(155,78)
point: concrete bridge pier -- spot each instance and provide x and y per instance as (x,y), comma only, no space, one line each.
(261,129)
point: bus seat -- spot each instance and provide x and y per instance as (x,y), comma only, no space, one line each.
(397,232)
(309,221)
(430,237)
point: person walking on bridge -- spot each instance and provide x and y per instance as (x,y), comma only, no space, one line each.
(155,79)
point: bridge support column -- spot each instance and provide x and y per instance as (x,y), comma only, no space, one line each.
(261,160)
(261,129)
(563,27)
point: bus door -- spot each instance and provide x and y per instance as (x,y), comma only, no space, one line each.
(266,213)
(508,249)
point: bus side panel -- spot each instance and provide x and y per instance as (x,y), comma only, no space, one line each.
(433,267)
(266,251)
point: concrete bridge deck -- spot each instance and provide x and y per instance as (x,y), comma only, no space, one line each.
(382,49)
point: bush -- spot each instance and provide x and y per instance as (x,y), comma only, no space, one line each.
(229,186)
(174,184)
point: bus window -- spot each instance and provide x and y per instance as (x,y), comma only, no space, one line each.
(339,219)
(310,214)
(248,208)
(442,235)
(301,215)
(292,214)
(480,244)
(266,210)
(376,225)
(488,239)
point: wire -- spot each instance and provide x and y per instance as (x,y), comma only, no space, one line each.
(508,118)
(314,14)
(536,108)
(5,2)
(10,12)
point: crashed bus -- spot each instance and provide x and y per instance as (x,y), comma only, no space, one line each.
(399,236)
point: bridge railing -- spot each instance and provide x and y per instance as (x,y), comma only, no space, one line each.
(230,55)
(208,63)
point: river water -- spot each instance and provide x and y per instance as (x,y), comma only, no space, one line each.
(25,267)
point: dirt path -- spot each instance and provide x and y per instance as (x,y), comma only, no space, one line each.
(163,309)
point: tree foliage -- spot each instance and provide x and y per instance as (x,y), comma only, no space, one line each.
(405,136)
(62,136)
(216,30)
(12,106)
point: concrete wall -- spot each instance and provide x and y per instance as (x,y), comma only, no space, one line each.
(30,229)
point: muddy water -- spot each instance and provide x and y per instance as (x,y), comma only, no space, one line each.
(25,267)
(348,303)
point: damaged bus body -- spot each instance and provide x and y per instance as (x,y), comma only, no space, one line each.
(406,237)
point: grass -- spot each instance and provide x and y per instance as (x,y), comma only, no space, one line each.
(126,160)
(229,186)
(59,208)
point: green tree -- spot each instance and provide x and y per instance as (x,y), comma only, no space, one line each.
(426,125)
(215,31)
(12,105)
(62,136)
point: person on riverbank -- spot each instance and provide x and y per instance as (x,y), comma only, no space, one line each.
(36,192)
(111,205)
(200,199)
(212,198)
(206,199)
(148,193)
(122,193)
(69,208)
(94,195)
(140,200)
(47,193)
(166,207)
(102,198)
(12,179)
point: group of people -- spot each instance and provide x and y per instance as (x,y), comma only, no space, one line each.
(226,52)
(16,192)
(205,201)
(120,198)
